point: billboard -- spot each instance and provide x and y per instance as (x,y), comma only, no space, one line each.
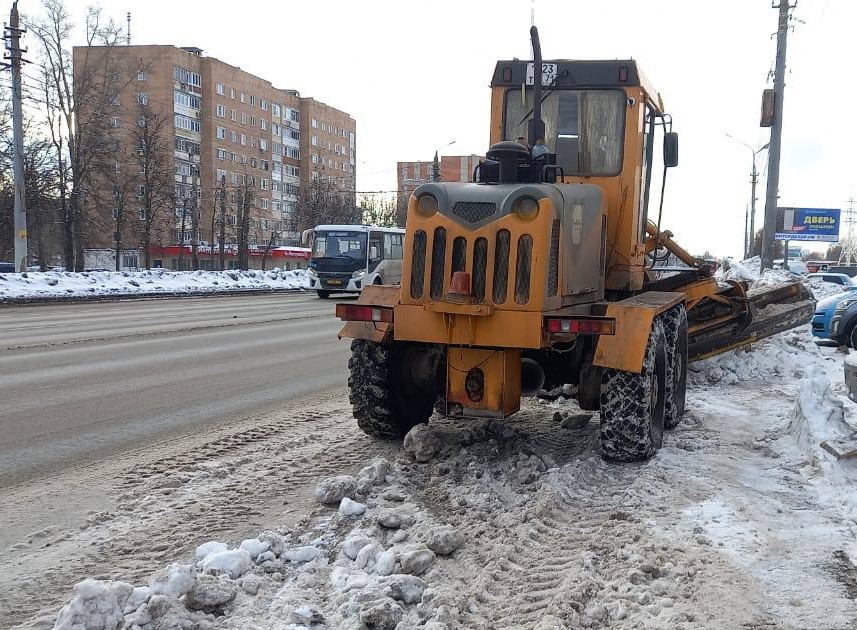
(807,224)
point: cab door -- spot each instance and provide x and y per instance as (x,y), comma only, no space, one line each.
(376,261)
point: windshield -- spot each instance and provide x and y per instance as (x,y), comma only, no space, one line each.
(583,127)
(339,245)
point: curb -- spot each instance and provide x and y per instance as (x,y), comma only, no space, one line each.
(77,299)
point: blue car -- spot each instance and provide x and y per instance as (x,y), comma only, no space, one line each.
(835,317)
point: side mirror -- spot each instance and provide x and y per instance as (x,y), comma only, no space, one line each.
(306,237)
(671,149)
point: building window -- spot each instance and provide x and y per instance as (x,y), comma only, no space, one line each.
(263,145)
(234,178)
(264,124)
(314,123)
(220,89)
(221,133)
(186,122)
(221,174)
(233,116)
(295,134)
(293,152)
(314,141)
(221,154)
(243,139)
(264,105)
(141,191)
(142,98)
(234,157)
(183,75)
(234,136)
(142,214)
(275,109)
(187,100)
(263,204)
(294,115)
(252,121)
(275,129)
(114,121)
(221,111)
(241,97)
(232,93)
(264,184)
(253,162)
(243,118)
(315,158)
(252,101)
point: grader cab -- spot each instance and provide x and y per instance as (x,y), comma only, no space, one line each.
(539,272)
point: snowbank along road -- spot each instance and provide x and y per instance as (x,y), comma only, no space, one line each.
(296,520)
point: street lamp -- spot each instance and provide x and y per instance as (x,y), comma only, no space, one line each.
(754,179)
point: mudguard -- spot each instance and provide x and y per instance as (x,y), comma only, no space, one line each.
(373,295)
(634,316)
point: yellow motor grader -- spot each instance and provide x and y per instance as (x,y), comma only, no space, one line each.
(539,272)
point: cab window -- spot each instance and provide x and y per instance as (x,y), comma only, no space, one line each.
(585,128)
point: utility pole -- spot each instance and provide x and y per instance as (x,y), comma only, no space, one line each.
(846,255)
(222,243)
(13,46)
(754,179)
(776,138)
(746,232)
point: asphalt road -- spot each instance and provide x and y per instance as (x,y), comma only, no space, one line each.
(84,382)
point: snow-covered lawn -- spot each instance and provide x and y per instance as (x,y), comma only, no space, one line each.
(61,284)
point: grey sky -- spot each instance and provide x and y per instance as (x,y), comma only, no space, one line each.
(415,76)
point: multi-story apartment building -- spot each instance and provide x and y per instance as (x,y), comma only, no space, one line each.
(411,175)
(230,141)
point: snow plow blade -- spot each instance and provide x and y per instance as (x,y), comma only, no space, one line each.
(754,316)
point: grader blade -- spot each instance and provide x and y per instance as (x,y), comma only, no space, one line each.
(755,315)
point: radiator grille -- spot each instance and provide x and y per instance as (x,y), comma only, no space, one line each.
(501,266)
(553,263)
(438,260)
(418,265)
(522,273)
(480,264)
(474,211)
(459,254)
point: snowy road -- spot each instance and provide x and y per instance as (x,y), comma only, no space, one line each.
(88,382)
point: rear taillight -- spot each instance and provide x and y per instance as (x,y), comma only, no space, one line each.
(581,326)
(361,313)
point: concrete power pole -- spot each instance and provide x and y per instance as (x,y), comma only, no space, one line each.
(13,46)
(776,138)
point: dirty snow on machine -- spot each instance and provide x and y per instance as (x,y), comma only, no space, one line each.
(347,258)
(543,271)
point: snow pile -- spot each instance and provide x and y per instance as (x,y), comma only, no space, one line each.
(743,270)
(822,289)
(784,355)
(61,284)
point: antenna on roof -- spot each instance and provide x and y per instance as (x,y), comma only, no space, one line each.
(128,34)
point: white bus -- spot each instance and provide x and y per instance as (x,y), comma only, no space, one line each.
(345,258)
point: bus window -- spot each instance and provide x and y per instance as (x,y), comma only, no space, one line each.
(393,246)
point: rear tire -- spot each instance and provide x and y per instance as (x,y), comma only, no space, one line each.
(323,294)
(384,403)
(632,405)
(675,332)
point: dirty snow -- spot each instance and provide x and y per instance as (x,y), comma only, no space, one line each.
(749,270)
(741,521)
(61,284)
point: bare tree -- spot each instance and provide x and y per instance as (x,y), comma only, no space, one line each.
(246,203)
(157,190)
(378,210)
(324,202)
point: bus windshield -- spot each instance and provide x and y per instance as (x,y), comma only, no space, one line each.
(584,128)
(340,245)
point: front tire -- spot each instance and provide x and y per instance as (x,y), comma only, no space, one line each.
(385,404)
(323,294)
(852,338)
(632,405)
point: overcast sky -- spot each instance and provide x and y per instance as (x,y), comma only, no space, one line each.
(415,76)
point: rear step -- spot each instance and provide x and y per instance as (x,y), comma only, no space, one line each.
(771,312)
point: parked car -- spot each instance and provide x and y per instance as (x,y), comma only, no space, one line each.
(835,278)
(7,267)
(835,318)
